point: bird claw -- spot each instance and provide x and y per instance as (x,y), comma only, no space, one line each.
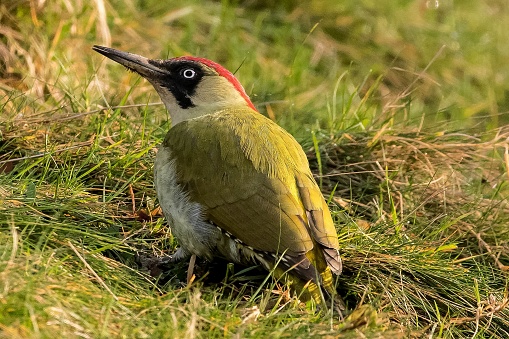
(153,264)
(168,259)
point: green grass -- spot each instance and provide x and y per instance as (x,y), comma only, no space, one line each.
(401,108)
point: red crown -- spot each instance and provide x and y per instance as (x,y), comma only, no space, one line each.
(222,72)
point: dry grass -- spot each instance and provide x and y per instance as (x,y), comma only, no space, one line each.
(421,207)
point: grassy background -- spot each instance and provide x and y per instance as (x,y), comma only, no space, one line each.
(402,108)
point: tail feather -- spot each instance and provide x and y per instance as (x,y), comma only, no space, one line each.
(303,276)
(333,260)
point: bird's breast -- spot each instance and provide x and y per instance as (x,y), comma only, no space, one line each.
(185,217)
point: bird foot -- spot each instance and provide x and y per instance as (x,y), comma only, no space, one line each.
(153,264)
(190,270)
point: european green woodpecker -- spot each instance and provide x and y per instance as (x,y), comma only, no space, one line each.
(231,182)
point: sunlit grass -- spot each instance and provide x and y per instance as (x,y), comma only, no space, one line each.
(401,109)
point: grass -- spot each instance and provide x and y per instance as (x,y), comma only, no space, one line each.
(401,108)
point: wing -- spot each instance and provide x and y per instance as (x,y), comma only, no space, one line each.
(268,200)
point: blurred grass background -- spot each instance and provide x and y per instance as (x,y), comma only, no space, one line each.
(402,108)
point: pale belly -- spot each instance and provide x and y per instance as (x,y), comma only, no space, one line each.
(186,218)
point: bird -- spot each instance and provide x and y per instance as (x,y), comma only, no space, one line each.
(231,182)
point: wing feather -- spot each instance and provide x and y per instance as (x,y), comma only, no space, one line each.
(268,200)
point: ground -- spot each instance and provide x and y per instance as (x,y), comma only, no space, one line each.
(401,108)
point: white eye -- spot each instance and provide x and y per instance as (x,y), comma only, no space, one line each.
(188,73)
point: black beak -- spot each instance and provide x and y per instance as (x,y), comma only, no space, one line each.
(145,67)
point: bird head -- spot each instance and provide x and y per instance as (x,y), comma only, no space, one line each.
(189,86)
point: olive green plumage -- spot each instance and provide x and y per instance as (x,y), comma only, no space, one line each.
(254,180)
(231,182)
(259,195)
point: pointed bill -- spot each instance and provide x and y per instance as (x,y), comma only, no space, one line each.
(136,63)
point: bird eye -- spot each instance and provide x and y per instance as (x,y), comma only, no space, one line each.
(188,73)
